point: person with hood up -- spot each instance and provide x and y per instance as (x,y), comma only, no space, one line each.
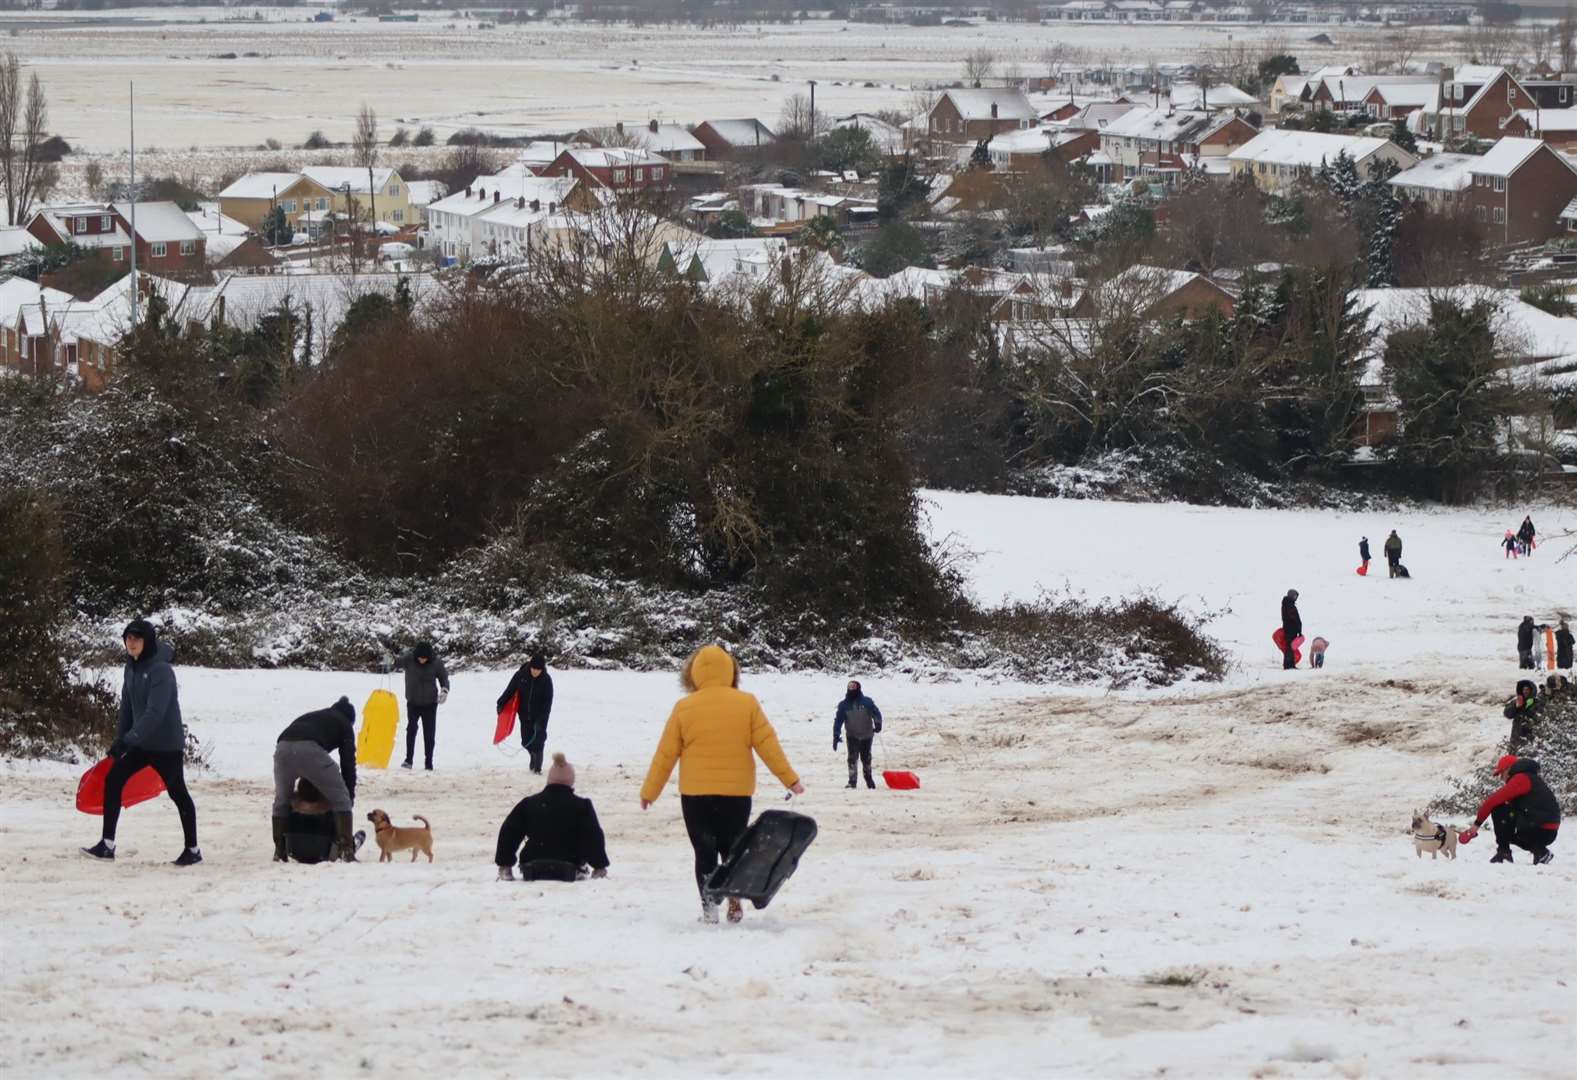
(1526,532)
(534,688)
(559,828)
(1393,552)
(1291,628)
(859,719)
(1363,553)
(1523,710)
(1523,809)
(713,734)
(302,753)
(426,688)
(148,734)
(1563,646)
(1525,632)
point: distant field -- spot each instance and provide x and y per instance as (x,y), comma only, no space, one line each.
(451,74)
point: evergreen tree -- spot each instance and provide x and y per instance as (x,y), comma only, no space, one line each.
(1378,215)
(1341,179)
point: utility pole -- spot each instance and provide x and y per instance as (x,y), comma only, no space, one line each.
(132,104)
(812,110)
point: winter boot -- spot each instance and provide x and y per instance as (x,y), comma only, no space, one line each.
(1542,856)
(100,850)
(736,911)
(1502,855)
(406,764)
(709,912)
(189,857)
(280,855)
(347,843)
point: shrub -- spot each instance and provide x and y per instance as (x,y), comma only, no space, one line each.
(316,141)
(424,137)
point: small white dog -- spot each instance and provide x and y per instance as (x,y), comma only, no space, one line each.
(1433,838)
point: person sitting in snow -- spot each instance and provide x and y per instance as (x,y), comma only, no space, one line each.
(1524,811)
(562,837)
(1317,649)
(861,721)
(1523,712)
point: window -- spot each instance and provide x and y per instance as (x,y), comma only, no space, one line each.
(1459,122)
(188,247)
(657,174)
(159,250)
(618,176)
(322,204)
(398,215)
(394,189)
(120,254)
(288,205)
(1566,93)
(1500,215)
(640,174)
(1500,183)
(1511,92)
(104,223)
(82,224)
(1478,212)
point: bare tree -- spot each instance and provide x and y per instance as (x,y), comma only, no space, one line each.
(979,65)
(1566,37)
(93,176)
(1491,43)
(23,124)
(1057,57)
(795,120)
(365,144)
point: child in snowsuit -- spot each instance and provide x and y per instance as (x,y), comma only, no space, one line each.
(562,836)
(1510,544)
(1525,812)
(1317,652)
(861,720)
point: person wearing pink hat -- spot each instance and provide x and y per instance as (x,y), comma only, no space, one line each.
(1524,810)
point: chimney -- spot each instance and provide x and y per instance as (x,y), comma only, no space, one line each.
(651,125)
(468,193)
(993,110)
(495,195)
(552,207)
(520,203)
(619,127)
(536,204)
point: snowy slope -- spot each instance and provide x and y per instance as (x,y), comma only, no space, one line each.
(1214,882)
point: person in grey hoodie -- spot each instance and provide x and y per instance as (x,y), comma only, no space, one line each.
(426,688)
(149,734)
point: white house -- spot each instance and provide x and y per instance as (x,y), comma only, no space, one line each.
(1276,159)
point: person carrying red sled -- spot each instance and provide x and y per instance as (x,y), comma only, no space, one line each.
(1291,629)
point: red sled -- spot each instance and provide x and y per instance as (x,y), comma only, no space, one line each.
(1363,571)
(506,719)
(144,784)
(1280,638)
(900,781)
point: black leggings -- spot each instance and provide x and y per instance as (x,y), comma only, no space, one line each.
(428,715)
(171,770)
(715,823)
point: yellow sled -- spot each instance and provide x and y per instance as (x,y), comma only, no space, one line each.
(380,721)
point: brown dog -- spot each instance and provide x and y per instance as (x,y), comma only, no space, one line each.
(392,839)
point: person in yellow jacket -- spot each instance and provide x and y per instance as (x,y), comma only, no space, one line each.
(712,734)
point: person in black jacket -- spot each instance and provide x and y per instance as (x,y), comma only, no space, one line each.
(534,687)
(149,733)
(426,688)
(1525,630)
(1526,533)
(1523,710)
(302,752)
(1563,645)
(1524,810)
(560,830)
(858,716)
(309,831)
(1363,550)
(1291,628)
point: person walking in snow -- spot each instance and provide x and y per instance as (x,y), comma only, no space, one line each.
(1524,811)
(1511,544)
(426,688)
(860,721)
(302,752)
(1563,646)
(532,686)
(1363,553)
(1291,628)
(1393,552)
(1526,533)
(559,829)
(1525,631)
(148,734)
(713,734)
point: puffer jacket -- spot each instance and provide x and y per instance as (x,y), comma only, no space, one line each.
(150,707)
(422,680)
(714,733)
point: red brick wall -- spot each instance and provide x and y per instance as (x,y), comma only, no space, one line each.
(1535,194)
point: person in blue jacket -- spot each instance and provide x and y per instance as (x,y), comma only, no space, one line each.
(859,719)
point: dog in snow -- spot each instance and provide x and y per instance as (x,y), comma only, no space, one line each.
(1429,836)
(420,841)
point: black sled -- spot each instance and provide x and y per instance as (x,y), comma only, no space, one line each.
(1401,571)
(764,858)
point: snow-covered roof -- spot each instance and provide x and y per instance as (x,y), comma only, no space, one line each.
(730,260)
(1507,156)
(15,239)
(1477,73)
(59,218)
(655,138)
(261,185)
(1550,119)
(1441,172)
(212,223)
(336,177)
(1221,96)
(425,192)
(886,137)
(742,132)
(1523,332)
(609,157)
(160,222)
(1100,115)
(1570,213)
(544,189)
(1027,141)
(1408,94)
(1308,149)
(1358,87)
(18,291)
(976,104)
(1165,124)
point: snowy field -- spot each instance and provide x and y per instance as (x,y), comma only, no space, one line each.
(1209,882)
(451,73)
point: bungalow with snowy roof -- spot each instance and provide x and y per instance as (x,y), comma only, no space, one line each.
(1099,115)
(1441,181)
(718,262)
(968,116)
(78,339)
(1158,293)
(1396,101)
(458,233)
(1558,127)
(1031,147)
(1276,160)
(16,351)
(620,169)
(1476,100)
(1211,98)
(228,244)
(1350,93)
(1293,90)
(251,198)
(887,138)
(1164,142)
(359,192)
(670,141)
(1519,189)
(725,139)
(167,242)
(1087,11)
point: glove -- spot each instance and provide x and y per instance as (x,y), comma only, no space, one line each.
(600,872)
(834,744)
(1467,837)
(505,874)
(443,694)
(117,748)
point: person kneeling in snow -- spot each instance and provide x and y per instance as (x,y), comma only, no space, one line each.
(560,829)
(1524,811)
(1523,712)
(302,752)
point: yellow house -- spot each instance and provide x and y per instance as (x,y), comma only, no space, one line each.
(249,200)
(390,193)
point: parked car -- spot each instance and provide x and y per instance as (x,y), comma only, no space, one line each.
(300,239)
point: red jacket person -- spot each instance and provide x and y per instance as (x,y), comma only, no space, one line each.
(1524,811)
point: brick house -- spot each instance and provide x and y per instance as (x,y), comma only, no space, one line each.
(733,138)
(1519,190)
(1478,101)
(1551,93)
(1346,93)
(665,140)
(622,169)
(1558,127)
(1164,294)
(962,116)
(167,242)
(1164,142)
(1396,101)
(1278,160)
